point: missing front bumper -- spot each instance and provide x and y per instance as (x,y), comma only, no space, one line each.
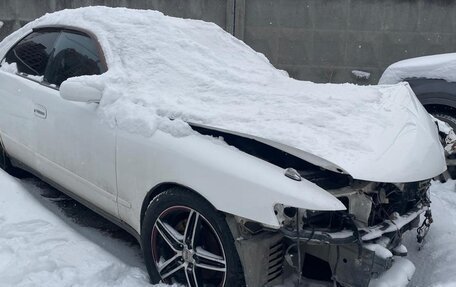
(361,257)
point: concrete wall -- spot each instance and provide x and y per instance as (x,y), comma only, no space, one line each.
(15,13)
(318,40)
(324,40)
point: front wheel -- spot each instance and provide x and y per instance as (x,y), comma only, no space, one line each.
(187,241)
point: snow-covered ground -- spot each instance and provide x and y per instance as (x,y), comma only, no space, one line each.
(40,245)
(436,262)
(47,239)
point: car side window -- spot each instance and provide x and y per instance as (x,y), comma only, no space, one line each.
(31,54)
(75,55)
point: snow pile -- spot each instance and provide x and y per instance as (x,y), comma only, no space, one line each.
(10,68)
(38,249)
(361,74)
(441,66)
(399,275)
(436,262)
(162,67)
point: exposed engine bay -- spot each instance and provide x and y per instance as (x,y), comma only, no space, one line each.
(355,247)
(368,234)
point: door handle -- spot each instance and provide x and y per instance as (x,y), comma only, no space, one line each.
(40,111)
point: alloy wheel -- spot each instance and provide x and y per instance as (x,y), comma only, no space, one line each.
(186,249)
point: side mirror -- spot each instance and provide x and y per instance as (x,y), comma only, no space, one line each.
(79,92)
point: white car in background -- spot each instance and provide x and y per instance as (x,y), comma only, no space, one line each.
(227,171)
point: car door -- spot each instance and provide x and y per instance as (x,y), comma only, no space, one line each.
(21,72)
(75,149)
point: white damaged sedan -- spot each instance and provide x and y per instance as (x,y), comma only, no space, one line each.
(227,171)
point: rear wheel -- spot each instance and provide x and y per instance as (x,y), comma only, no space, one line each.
(185,240)
(6,165)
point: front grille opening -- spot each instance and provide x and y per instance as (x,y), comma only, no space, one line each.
(316,268)
(323,220)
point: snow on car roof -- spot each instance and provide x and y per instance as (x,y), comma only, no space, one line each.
(440,66)
(162,67)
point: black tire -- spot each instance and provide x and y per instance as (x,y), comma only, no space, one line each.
(183,210)
(451,120)
(5,163)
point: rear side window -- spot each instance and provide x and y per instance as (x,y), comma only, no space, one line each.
(75,55)
(32,53)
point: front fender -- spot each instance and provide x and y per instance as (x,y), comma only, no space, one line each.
(232,181)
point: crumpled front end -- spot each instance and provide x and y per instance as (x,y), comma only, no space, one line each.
(363,245)
(356,242)
(357,247)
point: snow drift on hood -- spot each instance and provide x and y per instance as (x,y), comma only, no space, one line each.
(441,66)
(162,67)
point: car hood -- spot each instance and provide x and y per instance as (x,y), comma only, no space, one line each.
(407,150)
(440,66)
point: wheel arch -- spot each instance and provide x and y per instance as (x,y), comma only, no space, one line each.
(162,187)
(436,95)
(438,101)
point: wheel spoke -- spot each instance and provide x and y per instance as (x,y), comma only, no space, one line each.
(190,229)
(190,274)
(169,264)
(206,260)
(171,268)
(170,235)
